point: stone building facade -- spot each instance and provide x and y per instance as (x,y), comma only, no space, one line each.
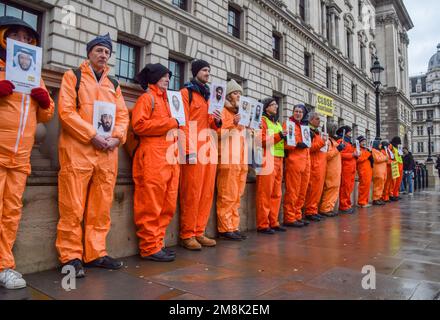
(425,95)
(290,49)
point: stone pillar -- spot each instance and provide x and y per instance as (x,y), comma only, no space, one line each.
(332,29)
(433,179)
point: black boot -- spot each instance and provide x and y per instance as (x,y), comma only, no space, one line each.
(230,236)
(78,265)
(106,262)
(161,256)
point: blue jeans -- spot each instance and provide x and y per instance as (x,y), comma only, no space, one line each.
(408,177)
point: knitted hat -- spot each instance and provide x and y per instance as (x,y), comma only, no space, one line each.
(233,86)
(151,74)
(105,41)
(198,65)
(361,138)
(396,141)
(340,131)
(266,102)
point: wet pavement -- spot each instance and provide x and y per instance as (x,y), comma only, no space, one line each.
(323,261)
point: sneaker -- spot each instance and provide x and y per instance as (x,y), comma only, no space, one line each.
(105,262)
(205,241)
(296,224)
(279,229)
(313,218)
(191,244)
(78,265)
(266,231)
(230,236)
(410,194)
(364,205)
(11,279)
(161,256)
(378,203)
(242,235)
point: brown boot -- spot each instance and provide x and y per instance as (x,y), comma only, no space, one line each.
(190,244)
(206,242)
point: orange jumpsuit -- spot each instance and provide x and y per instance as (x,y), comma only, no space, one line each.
(318,166)
(297,178)
(231,173)
(348,176)
(19,115)
(269,185)
(389,183)
(332,182)
(379,173)
(397,182)
(365,173)
(197,182)
(87,176)
(155,170)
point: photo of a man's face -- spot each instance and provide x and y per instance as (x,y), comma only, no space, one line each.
(106,122)
(176,103)
(257,113)
(24,61)
(219,94)
(245,106)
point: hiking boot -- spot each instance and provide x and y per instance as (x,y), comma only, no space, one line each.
(230,236)
(11,279)
(105,262)
(206,242)
(78,265)
(266,231)
(161,256)
(190,244)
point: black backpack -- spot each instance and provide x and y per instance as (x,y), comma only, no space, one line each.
(77,73)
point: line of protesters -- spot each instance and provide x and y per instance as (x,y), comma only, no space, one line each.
(315,176)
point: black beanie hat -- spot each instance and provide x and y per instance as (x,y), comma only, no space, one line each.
(151,74)
(361,138)
(198,65)
(341,130)
(266,102)
(396,141)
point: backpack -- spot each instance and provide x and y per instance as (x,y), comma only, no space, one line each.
(77,73)
(133,140)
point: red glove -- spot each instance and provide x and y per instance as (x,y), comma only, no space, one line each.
(42,97)
(6,88)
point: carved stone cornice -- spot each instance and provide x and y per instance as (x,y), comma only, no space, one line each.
(387,18)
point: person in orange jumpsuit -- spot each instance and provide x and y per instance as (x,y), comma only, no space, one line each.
(197,181)
(349,156)
(270,178)
(389,181)
(19,114)
(297,173)
(155,170)
(232,167)
(88,153)
(318,166)
(365,173)
(380,158)
(395,142)
(332,182)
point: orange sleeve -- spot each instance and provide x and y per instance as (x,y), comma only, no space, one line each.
(122,118)
(365,155)
(332,151)
(45,115)
(72,122)
(144,125)
(317,143)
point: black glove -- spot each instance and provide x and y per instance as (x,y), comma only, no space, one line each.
(282,136)
(312,134)
(341,147)
(301,145)
(371,160)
